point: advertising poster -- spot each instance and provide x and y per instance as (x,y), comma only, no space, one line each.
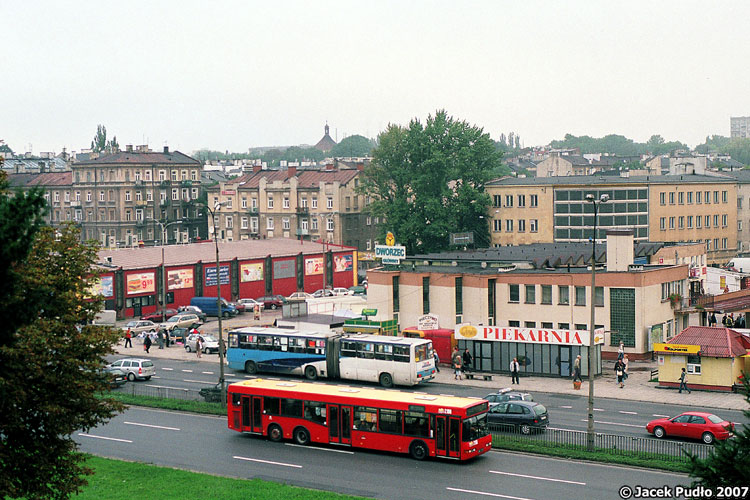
(343,263)
(283,269)
(315,265)
(251,272)
(181,278)
(103,286)
(141,283)
(211,275)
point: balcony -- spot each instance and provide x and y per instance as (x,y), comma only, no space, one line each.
(186,183)
(303,211)
(138,183)
(75,203)
(141,203)
(252,210)
(164,203)
(165,184)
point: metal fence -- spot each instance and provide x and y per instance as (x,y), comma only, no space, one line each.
(632,446)
(159,392)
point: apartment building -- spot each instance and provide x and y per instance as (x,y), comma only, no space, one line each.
(739,126)
(679,208)
(311,204)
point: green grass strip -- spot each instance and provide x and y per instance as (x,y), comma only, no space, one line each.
(169,404)
(120,480)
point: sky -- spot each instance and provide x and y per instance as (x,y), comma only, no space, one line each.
(230,76)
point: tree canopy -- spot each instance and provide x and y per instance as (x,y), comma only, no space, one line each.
(354,145)
(101,144)
(618,144)
(428,180)
(49,356)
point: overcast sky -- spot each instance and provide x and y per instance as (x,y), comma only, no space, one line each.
(234,75)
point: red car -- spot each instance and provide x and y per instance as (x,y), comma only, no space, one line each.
(156,315)
(692,424)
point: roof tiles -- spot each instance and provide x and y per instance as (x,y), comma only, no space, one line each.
(717,342)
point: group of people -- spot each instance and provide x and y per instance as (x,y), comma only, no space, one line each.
(621,366)
(728,321)
(461,362)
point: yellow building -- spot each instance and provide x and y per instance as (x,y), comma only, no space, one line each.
(713,357)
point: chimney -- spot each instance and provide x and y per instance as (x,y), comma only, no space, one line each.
(620,251)
(129,148)
(257,168)
(291,172)
(166,149)
(360,166)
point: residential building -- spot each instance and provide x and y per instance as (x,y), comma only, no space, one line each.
(557,165)
(742,178)
(739,126)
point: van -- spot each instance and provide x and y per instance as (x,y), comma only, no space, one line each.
(210,308)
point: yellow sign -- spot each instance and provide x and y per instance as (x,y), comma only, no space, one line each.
(390,240)
(677,348)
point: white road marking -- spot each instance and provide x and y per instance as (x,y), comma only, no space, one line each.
(152,426)
(566,407)
(487,494)
(167,369)
(321,449)
(268,462)
(207,373)
(660,416)
(102,437)
(187,371)
(537,477)
(629,412)
(199,381)
(599,409)
(155,376)
(614,423)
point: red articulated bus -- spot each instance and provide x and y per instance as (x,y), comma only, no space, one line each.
(422,425)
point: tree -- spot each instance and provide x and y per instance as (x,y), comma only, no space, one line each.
(354,146)
(49,356)
(729,461)
(738,149)
(100,144)
(427,181)
(713,143)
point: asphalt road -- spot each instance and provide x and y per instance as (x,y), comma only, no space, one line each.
(203,443)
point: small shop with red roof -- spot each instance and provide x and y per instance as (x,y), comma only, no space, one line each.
(713,357)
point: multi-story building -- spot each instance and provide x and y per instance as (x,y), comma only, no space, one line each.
(679,208)
(739,126)
(742,178)
(319,204)
(118,198)
(557,165)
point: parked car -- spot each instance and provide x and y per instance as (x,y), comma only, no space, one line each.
(342,291)
(693,425)
(300,296)
(209,306)
(507,394)
(210,343)
(156,315)
(522,415)
(250,303)
(114,376)
(358,290)
(183,320)
(195,310)
(272,301)
(136,368)
(139,326)
(239,307)
(323,292)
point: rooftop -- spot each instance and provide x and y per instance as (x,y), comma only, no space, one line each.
(717,342)
(597,180)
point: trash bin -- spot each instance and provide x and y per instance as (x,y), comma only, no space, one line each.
(577,385)
(211,394)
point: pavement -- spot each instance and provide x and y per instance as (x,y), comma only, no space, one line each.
(637,387)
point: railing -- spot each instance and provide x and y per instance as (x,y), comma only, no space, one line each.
(140,389)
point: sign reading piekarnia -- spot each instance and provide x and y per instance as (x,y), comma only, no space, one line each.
(527,335)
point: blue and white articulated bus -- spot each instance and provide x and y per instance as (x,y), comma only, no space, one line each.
(368,358)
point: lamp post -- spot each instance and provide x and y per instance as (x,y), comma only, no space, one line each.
(163,228)
(590,428)
(212,213)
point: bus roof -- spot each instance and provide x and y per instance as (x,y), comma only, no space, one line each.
(387,339)
(376,396)
(281,331)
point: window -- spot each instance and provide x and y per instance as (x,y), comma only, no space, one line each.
(286,202)
(269,223)
(724,197)
(563,295)
(724,220)
(724,243)
(303,224)
(521,200)
(662,198)
(671,223)
(681,222)
(162,175)
(243,223)
(390,421)
(716,221)
(739,225)
(316,412)
(270,202)
(459,294)
(698,197)
(530,294)
(329,224)
(690,221)
(508,201)
(315,202)
(253,203)
(529,324)
(509,225)
(599,296)
(533,200)
(521,225)
(175,194)
(425,295)
(368,221)
(329,203)
(497,201)
(229,221)
(707,197)
(546,294)
(716,197)
(497,225)
(394,296)
(698,221)
(663,223)
(671,198)
(707,221)
(716,243)
(285,224)
(680,198)
(580,295)
(694,364)
(533,225)
(514,293)
(174,175)
(314,223)
(690,197)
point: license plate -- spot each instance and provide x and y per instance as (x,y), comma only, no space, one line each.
(544,418)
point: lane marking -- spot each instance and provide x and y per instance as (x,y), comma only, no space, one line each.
(566,407)
(152,426)
(660,416)
(267,462)
(167,369)
(321,449)
(614,423)
(485,493)
(155,376)
(199,381)
(537,477)
(102,437)
(207,373)
(629,412)
(187,371)
(599,409)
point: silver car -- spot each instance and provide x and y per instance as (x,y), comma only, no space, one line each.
(139,326)
(210,344)
(136,368)
(182,320)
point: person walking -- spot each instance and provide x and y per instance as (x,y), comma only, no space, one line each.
(160,338)
(467,360)
(199,346)
(712,319)
(620,351)
(683,381)
(128,337)
(620,372)
(515,368)
(437,360)
(626,364)
(147,343)
(577,369)
(457,365)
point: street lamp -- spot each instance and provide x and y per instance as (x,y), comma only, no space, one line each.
(212,213)
(163,269)
(590,428)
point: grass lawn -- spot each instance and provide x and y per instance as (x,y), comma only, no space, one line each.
(120,480)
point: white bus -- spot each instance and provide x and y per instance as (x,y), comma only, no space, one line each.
(368,358)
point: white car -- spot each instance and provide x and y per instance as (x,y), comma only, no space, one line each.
(342,291)
(300,296)
(250,304)
(210,344)
(323,292)
(139,326)
(136,368)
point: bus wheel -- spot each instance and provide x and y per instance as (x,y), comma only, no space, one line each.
(301,436)
(275,433)
(386,380)
(311,373)
(251,368)
(418,450)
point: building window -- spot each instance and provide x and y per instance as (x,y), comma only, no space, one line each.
(739,225)
(269,223)
(329,203)
(514,294)
(285,223)
(497,225)
(174,175)
(671,223)
(459,293)
(253,224)
(708,245)
(101,196)
(193,175)
(270,202)
(680,198)
(724,197)
(315,202)
(599,296)
(303,224)
(671,198)
(663,223)
(698,197)
(243,203)
(563,292)
(521,225)
(690,197)
(314,223)
(509,225)
(369,245)
(329,224)
(530,294)
(394,288)
(243,223)
(739,202)
(698,221)
(162,175)
(533,225)
(497,201)
(662,198)
(175,194)
(716,243)
(533,200)
(694,364)
(690,221)
(681,222)
(253,203)
(508,201)
(546,294)
(514,323)
(425,295)
(229,221)
(521,200)
(286,202)
(580,295)
(707,197)
(716,197)
(724,243)
(724,220)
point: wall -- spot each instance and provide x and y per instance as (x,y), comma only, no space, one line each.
(716,373)
(252,289)
(542,213)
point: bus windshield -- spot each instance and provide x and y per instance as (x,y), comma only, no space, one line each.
(422,352)
(475,428)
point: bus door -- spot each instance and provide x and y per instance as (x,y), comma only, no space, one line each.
(339,424)
(447,436)
(251,414)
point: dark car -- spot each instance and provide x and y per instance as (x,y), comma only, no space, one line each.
(271,301)
(114,376)
(507,394)
(239,306)
(693,425)
(194,310)
(521,415)
(358,290)
(156,315)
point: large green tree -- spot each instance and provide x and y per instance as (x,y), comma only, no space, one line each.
(427,180)
(50,356)
(354,146)
(101,144)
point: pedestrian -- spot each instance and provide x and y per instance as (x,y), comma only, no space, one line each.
(683,381)
(724,319)
(577,369)
(160,338)
(128,337)
(625,365)
(437,360)
(621,351)
(457,365)
(147,343)
(514,369)
(620,372)
(467,360)
(712,319)
(199,346)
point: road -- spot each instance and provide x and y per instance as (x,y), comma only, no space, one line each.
(203,443)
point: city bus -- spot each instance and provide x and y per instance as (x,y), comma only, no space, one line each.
(385,360)
(422,425)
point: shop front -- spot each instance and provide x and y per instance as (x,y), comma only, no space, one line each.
(540,352)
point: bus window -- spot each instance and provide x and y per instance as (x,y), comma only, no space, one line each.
(401,353)
(365,419)
(365,350)
(291,408)
(315,412)
(348,349)
(296,345)
(265,342)
(475,428)
(271,406)
(384,351)
(283,341)
(234,340)
(420,352)
(276,344)
(416,424)
(390,421)
(247,341)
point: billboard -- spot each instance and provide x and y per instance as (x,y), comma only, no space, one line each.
(180,278)
(283,269)
(342,263)
(527,335)
(141,283)
(211,275)
(103,286)
(251,272)
(316,265)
